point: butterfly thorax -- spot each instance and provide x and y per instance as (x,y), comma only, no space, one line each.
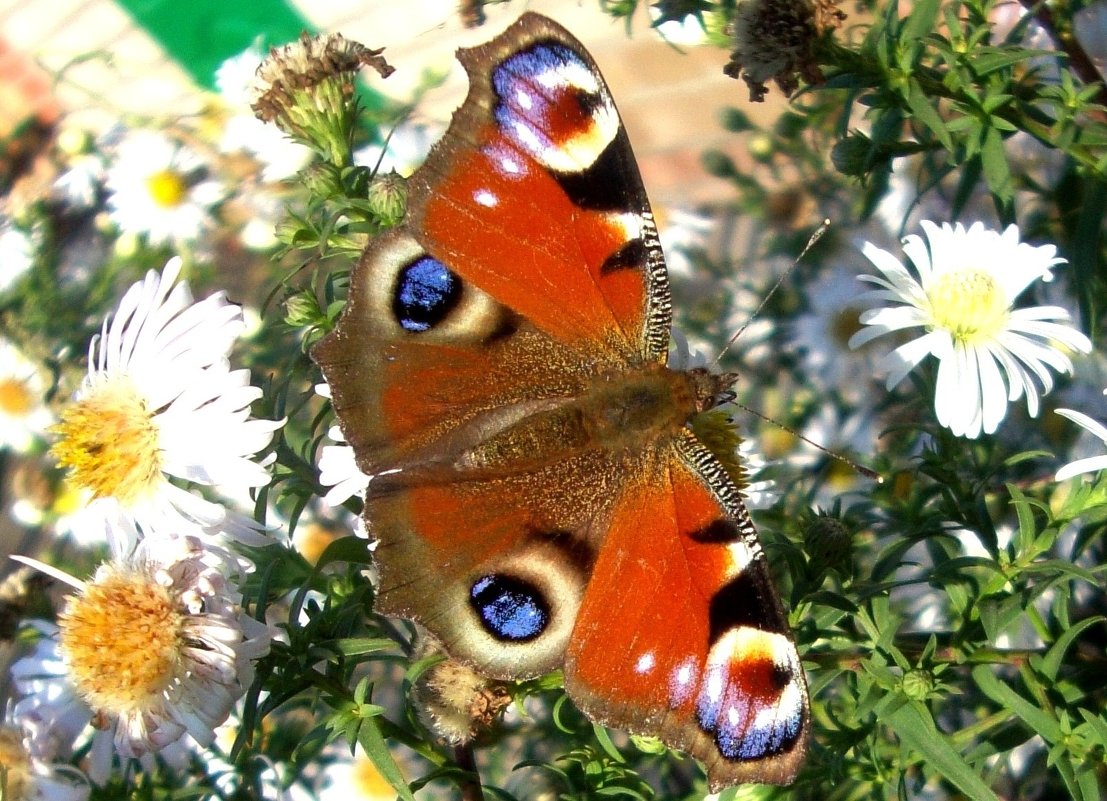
(620,412)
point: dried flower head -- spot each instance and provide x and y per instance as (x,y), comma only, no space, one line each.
(775,39)
(154,647)
(306,88)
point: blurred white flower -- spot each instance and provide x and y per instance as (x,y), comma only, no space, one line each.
(153,648)
(989,353)
(157,188)
(405,150)
(161,401)
(822,335)
(79,185)
(24,417)
(17,254)
(29,778)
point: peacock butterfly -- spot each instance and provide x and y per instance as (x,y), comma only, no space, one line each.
(538,496)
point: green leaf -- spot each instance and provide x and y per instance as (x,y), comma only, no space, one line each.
(986,60)
(997,172)
(1098,725)
(1037,719)
(915,728)
(604,739)
(924,112)
(356,646)
(372,742)
(1051,662)
(920,23)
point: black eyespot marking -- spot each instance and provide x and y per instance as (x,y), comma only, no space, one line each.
(426,292)
(719,532)
(509,608)
(742,602)
(631,256)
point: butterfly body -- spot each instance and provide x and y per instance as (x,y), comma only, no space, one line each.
(540,501)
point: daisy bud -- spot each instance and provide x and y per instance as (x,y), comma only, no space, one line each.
(918,684)
(388,198)
(853,155)
(827,542)
(302,310)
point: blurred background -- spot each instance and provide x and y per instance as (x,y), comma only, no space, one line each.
(157,58)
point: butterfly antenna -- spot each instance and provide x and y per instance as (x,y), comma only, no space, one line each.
(860,468)
(815,237)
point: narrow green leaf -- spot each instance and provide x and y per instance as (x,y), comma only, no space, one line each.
(920,23)
(356,646)
(1037,719)
(915,728)
(372,742)
(924,112)
(997,172)
(604,739)
(986,60)
(1098,725)
(1051,662)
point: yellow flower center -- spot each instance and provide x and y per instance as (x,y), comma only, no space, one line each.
(16,398)
(167,188)
(122,642)
(15,766)
(969,304)
(110,441)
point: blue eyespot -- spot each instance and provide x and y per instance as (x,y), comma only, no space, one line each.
(509,608)
(426,291)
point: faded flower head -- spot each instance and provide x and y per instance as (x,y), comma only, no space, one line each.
(306,88)
(153,648)
(775,39)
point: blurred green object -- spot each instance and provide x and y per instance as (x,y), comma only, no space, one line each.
(202,34)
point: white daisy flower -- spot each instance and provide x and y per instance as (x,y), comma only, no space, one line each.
(17,254)
(338,470)
(989,353)
(160,401)
(24,417)
(1090,464)
(152,649)
(157,189)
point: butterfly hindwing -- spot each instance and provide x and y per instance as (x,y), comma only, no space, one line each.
(705,660)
